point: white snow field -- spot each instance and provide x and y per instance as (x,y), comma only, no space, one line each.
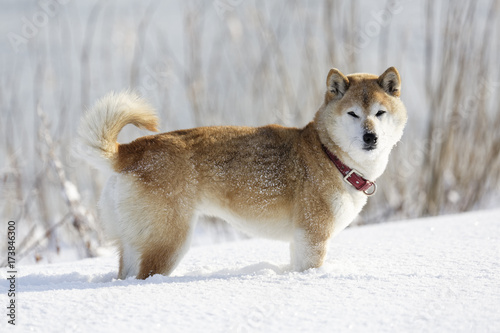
(429,275)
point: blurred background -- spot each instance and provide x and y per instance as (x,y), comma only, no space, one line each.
(240,62)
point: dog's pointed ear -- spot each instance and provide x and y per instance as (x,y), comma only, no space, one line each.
(336,84)
(390,81)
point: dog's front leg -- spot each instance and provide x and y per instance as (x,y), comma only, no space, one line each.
(308,249)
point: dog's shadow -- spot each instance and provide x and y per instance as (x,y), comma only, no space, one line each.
(37,282)
(262,268)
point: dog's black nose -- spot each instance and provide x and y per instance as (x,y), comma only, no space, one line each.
(370,140)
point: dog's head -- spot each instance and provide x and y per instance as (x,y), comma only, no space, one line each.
(362,113)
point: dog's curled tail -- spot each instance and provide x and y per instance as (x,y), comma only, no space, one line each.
(98,131)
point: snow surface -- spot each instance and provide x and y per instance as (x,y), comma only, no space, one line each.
(437,274)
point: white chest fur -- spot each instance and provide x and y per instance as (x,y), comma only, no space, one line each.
(346,206)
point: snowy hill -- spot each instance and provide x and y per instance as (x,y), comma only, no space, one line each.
(438,274)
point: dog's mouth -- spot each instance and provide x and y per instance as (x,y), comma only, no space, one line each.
(370,148)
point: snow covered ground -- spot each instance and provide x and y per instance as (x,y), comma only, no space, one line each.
(438,274)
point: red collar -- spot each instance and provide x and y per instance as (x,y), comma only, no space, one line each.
(352,176)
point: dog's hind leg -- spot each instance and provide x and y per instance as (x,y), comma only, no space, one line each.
(154,227)
(129,261)
(166,247)
(115,226)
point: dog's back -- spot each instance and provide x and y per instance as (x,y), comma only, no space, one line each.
(240,168)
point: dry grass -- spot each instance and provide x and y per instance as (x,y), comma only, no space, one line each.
(453,164)
(250,66)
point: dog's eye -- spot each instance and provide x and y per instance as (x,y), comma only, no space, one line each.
(380,113)
(352,114)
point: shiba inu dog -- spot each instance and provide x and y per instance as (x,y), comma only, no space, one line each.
(302,185)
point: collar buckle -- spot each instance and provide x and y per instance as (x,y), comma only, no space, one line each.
(349,174)
(352,176)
